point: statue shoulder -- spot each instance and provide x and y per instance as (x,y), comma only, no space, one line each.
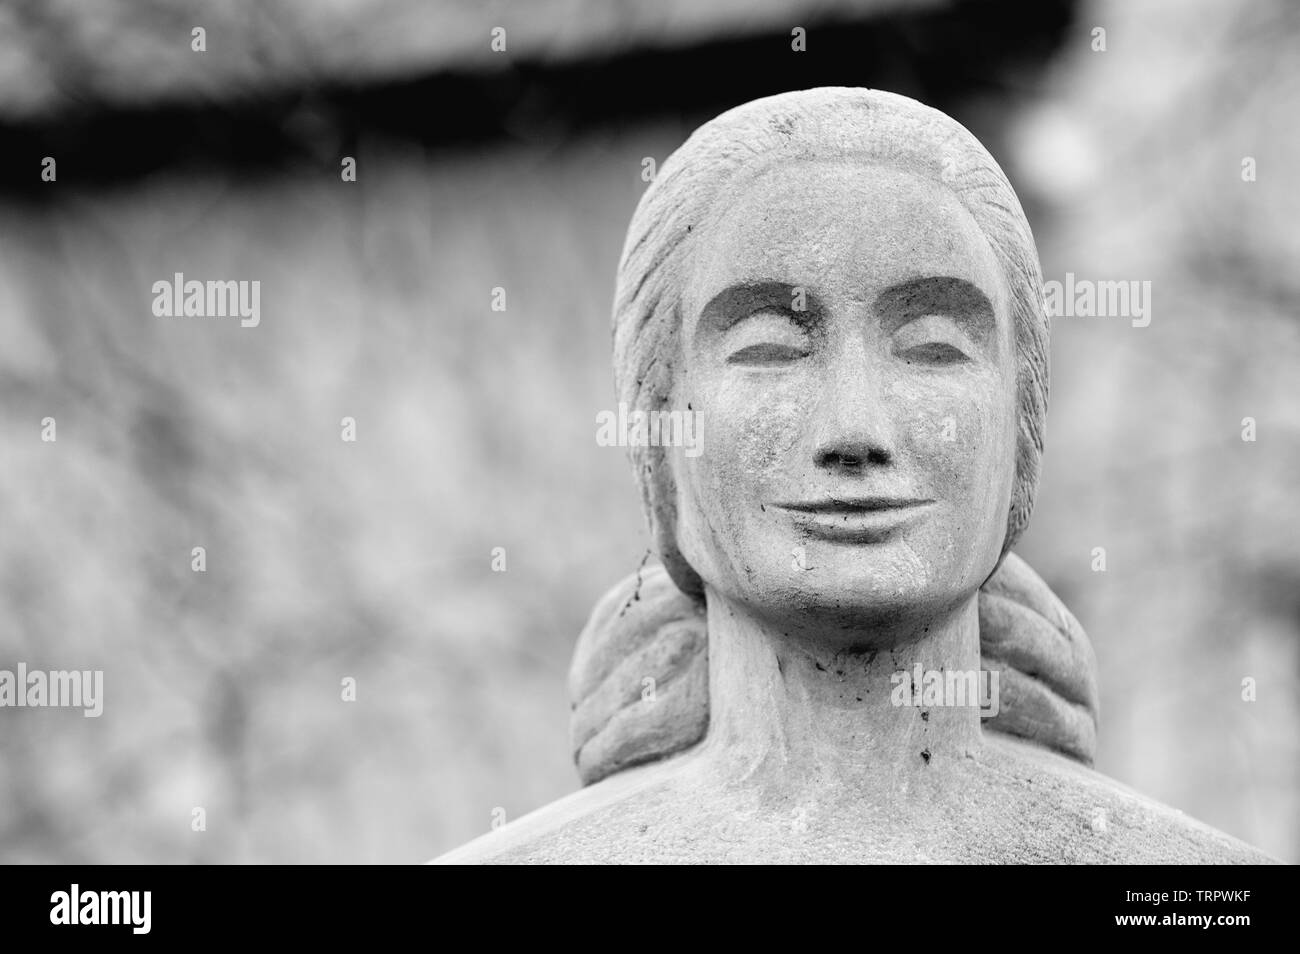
(1082,816)
(590,825)
(1014,802)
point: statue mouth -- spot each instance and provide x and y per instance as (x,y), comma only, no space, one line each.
(854,519)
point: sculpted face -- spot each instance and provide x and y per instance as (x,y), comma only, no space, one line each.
(859,453)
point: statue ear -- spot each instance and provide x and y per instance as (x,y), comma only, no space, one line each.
(638,684)
(1048,673)
(659,496)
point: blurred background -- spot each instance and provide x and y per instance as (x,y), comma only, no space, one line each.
(518,169)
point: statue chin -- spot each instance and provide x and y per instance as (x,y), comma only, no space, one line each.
(875,593)
(845,618)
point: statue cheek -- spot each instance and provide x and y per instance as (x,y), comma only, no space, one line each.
(956,436)
(751,435)
(769,437)
(750,439)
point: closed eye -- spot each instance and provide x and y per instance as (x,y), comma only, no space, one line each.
(767,353)
(934,352)
(933,340)
(767,337)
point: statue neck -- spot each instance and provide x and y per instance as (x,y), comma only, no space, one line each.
(791,711)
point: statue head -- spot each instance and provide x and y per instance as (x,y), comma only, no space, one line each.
(842,284)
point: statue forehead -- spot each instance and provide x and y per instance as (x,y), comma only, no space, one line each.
(852,227)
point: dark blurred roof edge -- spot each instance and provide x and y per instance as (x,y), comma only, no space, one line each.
(57,55)
(945,54)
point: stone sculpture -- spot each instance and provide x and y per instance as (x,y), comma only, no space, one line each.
(842,285)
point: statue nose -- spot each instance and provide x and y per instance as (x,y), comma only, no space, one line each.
(837,460)
(853,429)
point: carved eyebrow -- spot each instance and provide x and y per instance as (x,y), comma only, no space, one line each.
(954,298)
(737,302)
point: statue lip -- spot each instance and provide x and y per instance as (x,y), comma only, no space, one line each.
(854,519)
(853,505)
